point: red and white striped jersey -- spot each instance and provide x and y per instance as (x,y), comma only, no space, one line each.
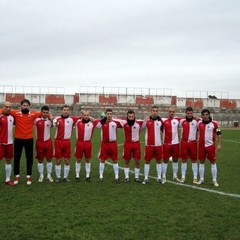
(6,129)
(84,131)
(207,133)
(170,130)
(153,134)
(64,127)
(189,130)
(109,130)
(132,133)
(43,129)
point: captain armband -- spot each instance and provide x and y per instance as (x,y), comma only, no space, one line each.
(218,131)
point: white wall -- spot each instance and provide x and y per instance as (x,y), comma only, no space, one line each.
(163,100)
(126,99)
(36,98)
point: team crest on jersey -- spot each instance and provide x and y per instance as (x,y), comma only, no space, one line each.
(134,127)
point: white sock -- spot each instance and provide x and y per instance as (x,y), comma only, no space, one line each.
(175,169)
(126,172)
(164,169)
(77,169)
(49,168)
(201,171)
(214,171)
(101,169)
(8,170)
(116,170)
(40,169)
(195,170)
(66,170)
(136,171)
(88,169)
(159,170)
(58,171)
(146,170)
(184,169)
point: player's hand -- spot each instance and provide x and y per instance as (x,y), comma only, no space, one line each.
(91,119)
(103,121)
(146,119)
(197,118)
(50,117)
(218,147)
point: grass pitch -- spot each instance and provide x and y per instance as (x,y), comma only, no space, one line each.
(127,210)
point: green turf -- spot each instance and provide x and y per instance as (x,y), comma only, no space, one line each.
(127,210)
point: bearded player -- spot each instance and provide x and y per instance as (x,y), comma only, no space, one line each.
(131,147)
(83,148)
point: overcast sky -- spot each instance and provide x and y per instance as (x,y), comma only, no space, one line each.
(174,44)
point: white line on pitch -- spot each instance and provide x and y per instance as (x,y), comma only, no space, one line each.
(230,141)
(189,186)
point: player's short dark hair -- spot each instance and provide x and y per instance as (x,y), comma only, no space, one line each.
(130,111)
(25,101)
(205,111)
(154,106)
(189,109)
(45,107)
(108,110)
(65,106)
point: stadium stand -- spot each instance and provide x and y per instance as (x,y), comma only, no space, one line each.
(225,111)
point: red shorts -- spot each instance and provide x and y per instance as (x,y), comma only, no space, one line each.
(6,151)
(170,150)
(62,149)
(153,152)
(83,148)
(44,149)
(207,152)
(131,149)
(108,150)
(188,150)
